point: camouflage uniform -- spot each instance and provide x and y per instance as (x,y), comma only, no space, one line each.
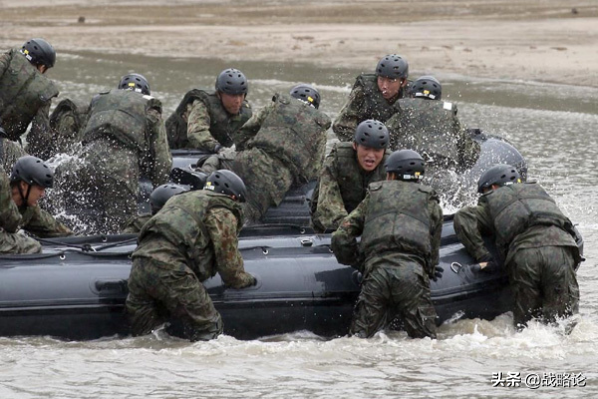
(31,219)
(533,238)
(193,237)
(67,122)
(10,152)
(400,225)
(124,139)
(432,128)
(365,102)
(136,223)
(284,144)
(200,121)
(25,97)
(341,187)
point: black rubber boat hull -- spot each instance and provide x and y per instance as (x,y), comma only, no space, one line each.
(71,294)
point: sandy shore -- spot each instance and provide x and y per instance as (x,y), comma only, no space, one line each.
(544,41)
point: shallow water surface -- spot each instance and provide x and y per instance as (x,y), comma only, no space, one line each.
(554,127)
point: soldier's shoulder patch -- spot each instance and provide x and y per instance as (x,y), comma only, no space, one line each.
(448,106)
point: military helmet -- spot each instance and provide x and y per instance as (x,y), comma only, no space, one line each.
(135,82)
(39,52)
(32,170)
(307,94)
(501,175)
(232,81)
(226,182)
(393,66)
(163,193)
(407,164)
(372,133)
(426,86)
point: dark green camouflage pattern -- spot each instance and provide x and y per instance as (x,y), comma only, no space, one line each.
(25,93)
(365,102)
(159,292)
(68,121)
(201,122)
(432,128)
(342,185)
(291,131)
(102,187)
(396,281)
(136,223)
(34,220)
(540,260)
(193,237)
(267,180)
(10,152)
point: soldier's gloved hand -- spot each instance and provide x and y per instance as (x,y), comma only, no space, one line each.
(436,273)
(250,281)
(486,267)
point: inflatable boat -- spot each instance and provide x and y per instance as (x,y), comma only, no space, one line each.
(76,289)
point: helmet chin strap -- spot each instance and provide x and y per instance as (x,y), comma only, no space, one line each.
(24,198)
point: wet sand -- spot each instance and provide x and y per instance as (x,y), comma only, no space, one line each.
(545,41)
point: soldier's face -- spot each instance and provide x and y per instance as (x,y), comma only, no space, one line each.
(368,158)
(232,102)
(389,87)
(36,193)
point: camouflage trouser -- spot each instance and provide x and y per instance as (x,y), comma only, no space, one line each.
(18,244)
(102,191)
(390,291)
(267,181)
(158,292)
(544,284)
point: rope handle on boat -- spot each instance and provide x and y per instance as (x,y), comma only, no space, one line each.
(456,267)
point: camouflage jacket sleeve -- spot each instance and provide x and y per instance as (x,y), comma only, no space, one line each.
(198,127)
(10,218)
(344,240)
(40,139)
(41,224)
(437,221)
(471,223)
(161,163)
(350,116)
(330,210)
(4,62)
(469,149)
(222,228)
(251,127)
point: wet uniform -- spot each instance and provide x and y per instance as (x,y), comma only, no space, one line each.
(400,224)
(193,237)
(533,238)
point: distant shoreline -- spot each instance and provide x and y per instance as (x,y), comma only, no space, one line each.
(544,42)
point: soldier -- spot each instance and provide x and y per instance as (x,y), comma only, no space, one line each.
(209,121)
(157,199)
(26,94)
(10,151)
(68,121)
(193,237)
(532,236)
(431,127)
(19,208)
(400,224)
(284,145)
(346,174)
(124,139)
(373,96)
